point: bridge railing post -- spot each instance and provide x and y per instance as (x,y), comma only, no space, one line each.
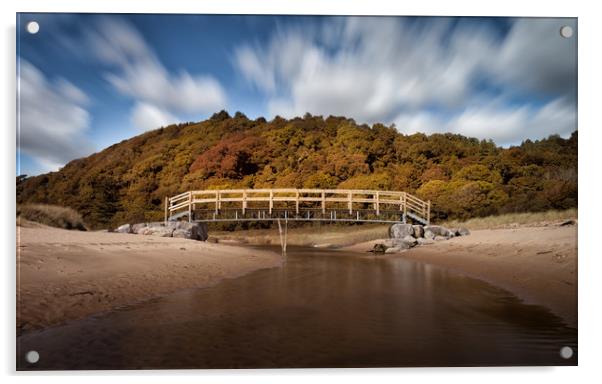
(350,202)
(323,203)
(271,201)
(405,204)
(376,198)
(216,202)
(166,208)
(296,202)
(244,202)
(189,207)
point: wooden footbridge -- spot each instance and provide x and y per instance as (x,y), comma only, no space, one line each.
(334,205)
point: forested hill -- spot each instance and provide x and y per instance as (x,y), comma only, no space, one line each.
(463,177)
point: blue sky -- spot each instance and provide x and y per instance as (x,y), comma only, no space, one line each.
(87,81)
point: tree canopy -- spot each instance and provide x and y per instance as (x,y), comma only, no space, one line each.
(463,177)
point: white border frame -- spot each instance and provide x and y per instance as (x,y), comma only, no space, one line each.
(590,138)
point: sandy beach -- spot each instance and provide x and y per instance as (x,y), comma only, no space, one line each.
(65,275)
(538,264)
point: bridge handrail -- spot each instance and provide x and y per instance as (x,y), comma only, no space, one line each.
(404,200)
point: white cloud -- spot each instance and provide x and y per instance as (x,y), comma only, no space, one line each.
(52,118)
(147,117)
(376,69)
(505,125)
(535,57)
(378,65)
(138,73)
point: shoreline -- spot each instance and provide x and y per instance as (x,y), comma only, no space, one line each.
(68,275)
(537,264)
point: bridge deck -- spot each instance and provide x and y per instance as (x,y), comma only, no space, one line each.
(297,205)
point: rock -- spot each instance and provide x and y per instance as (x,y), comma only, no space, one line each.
(379,248)
(181,229)
(202,231)
(431,231)
(418,231)
(440,238)
(162,231)
(136,228)
(568,222)
(125,228)
(394,250)
(423,241)
(181,233)
(462,231)
(196,231)
(403,244)
(399,231)
(410,239)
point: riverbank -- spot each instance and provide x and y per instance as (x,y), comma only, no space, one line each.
(318,235)
(65,275)
(538,264)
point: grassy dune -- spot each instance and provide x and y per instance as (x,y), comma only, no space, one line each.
(511,220)
(51,215)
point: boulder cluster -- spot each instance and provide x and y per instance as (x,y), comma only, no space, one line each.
(406,236)
(181,229)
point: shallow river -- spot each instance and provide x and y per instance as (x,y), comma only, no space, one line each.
(322,309)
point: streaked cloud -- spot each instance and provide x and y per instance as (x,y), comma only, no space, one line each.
(423,76)
(148,116)
(502,123)
(137,72)
(53,119)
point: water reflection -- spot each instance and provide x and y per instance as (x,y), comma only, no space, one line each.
(320,310)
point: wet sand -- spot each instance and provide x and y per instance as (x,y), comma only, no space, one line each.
(66,275)
(538,264)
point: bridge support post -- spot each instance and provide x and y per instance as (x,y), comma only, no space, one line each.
(297,203)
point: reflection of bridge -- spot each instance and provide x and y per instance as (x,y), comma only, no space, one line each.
(341,205)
